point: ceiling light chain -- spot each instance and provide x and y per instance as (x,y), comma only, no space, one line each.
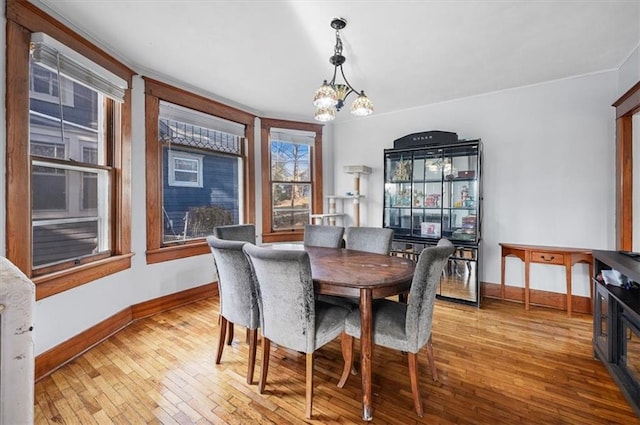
(330,97)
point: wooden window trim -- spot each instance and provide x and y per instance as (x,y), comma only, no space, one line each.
(23,18)
(155,91)
(267,124)
(626,106)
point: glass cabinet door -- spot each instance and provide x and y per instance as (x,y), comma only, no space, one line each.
(398,191)
(427,194)
(601,320)
(461,194)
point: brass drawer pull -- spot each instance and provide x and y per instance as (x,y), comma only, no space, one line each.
(547,259)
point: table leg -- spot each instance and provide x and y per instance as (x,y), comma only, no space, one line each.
(527,260)
(502,288)
(591,277)
(366,348)
(567,265)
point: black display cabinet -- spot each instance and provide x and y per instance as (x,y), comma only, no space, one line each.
(616,320)
(433,191)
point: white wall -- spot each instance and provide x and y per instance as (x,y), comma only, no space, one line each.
(548,167)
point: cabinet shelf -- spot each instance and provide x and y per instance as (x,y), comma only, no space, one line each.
(460,179)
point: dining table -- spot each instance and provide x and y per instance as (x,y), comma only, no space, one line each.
(365,276)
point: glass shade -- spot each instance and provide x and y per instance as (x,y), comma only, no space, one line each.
(362,106)
(325,114)
(325,96)
(342,90)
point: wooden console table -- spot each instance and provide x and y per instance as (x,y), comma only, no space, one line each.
(546,255)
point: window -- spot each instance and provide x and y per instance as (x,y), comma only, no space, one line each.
(199,158)
(293,190)
(74,106)
(68,172)
(202,165)
(185,169)
(290,184)
(48,185)
(44,85)
(89,180)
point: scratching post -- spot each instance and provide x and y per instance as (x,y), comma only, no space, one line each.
(356,170)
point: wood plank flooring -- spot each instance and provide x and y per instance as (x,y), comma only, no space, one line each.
(497,365)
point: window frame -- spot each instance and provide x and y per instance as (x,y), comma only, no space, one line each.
(24,18)
(155,91)
(268,234)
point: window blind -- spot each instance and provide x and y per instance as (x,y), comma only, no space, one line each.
(293,136)
(55,56)
(179,113)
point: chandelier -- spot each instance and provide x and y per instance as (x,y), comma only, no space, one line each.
(330,97)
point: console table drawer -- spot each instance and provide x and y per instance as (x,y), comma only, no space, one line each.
(547,257)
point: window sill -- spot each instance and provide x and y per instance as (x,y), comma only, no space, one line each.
(60,281)
(175,252)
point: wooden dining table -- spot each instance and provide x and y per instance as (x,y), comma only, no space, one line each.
(365,276)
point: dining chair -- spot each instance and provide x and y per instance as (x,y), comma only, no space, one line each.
(451,264)
(323,236)
(404,327)
(370,239)
(291,317)
(238,297)
(236,232)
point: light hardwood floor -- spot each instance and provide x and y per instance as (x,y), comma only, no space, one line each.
(497,365)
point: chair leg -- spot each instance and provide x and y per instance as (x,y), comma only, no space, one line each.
(252,334)
(415,388)
(221,336)
(347,355)
(247,336)
(266,348)
(432,362)
(309,385)
(230,334)
(402,298)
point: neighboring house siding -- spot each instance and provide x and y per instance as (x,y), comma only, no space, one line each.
(56,243)
(82,114)
(52,194)
(220,188)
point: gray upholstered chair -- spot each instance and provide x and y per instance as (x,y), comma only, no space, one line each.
(323,236)
(236,232)
(370,239)
(404,327)
(290,315)
(238,296)
(450,262)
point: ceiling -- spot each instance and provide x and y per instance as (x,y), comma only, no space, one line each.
(268,57)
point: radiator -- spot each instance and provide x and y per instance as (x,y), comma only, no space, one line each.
(17,302)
